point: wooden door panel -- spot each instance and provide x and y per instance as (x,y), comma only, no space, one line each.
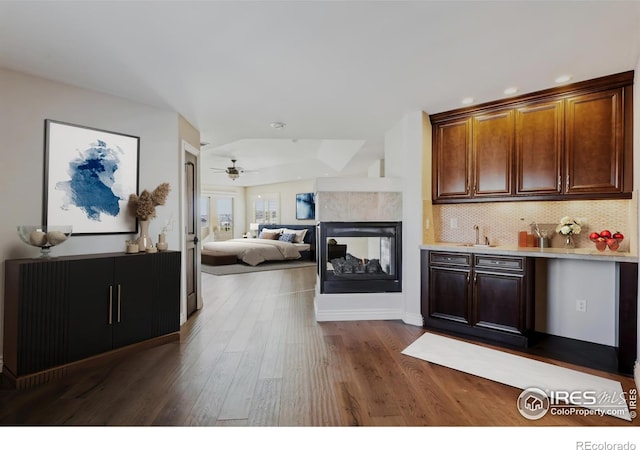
(498,302)
(449,294)
(451,163)
(191,221)
(594,144)
(539,140)
(493,153)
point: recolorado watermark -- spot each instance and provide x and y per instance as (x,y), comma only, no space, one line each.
(534,403)
(589,445)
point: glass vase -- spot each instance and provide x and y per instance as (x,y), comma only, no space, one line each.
(569,242)
(144,241)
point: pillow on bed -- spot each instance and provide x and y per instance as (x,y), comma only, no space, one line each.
(269,235)
(272,230)
(300,234)
(287,237)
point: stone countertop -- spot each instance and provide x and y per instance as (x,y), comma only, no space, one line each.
(588,254)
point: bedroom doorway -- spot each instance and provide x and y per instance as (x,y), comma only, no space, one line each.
(191,230)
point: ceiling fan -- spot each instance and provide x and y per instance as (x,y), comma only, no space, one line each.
(232,171)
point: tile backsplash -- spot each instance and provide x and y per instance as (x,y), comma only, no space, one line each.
(501,221)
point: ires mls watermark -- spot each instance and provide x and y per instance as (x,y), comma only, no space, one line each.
(534,403)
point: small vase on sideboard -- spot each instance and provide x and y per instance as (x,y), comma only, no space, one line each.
(162,243)
(144,240)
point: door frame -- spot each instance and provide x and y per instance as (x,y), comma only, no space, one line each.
(188,148)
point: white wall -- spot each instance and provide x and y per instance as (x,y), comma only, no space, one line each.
(563,282)
(287,193)
(403,159)
(26,102)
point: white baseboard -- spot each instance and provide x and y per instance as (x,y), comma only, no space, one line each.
(342,315)
(413,319)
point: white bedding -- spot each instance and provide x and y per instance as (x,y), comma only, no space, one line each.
(255,251)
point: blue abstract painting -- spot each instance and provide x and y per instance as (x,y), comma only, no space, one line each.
(90,175)
(305,206)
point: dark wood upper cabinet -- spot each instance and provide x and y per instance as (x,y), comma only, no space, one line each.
(572,142)
(594,143)
(492,154)
(539,138)
(452,159)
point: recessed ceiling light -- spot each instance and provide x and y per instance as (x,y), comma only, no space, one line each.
(278,125)
(563,78)
(511,90)
(467,101)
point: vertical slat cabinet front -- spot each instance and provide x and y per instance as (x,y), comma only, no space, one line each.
(132,297)
(166,294)
(42,319)
(91,297)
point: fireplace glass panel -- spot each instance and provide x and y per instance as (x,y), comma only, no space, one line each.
(361,256)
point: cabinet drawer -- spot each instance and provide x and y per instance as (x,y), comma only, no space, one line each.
(459,259)
(500,262)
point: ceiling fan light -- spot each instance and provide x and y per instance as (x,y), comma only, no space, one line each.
(233,175)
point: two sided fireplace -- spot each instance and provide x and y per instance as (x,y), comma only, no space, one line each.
(360,257)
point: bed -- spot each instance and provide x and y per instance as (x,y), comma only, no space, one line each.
(274,243)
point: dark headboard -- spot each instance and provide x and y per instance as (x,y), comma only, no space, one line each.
(309,237)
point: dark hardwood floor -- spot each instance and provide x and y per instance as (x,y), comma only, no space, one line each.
(255,356)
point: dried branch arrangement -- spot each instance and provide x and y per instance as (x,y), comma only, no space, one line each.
(144,205)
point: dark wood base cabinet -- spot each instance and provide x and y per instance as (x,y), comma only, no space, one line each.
(65,313)
(483,296)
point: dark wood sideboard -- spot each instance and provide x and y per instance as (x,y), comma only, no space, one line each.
(64,314)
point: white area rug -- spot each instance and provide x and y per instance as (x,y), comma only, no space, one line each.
(518,371)
(231,269)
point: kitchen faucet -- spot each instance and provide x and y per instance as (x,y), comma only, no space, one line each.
(477,228)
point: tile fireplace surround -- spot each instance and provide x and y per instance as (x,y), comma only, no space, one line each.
(358,200)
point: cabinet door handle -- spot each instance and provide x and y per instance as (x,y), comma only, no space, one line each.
(559,183)
(475,278)
(118,303)
(110,305)
(566,189)
(468,278)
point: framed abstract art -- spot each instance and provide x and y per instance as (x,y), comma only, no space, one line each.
(306,206)
(88,176)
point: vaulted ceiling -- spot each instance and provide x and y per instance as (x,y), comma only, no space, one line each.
(339,74)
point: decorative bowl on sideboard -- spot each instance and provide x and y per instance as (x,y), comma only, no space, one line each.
(44,236)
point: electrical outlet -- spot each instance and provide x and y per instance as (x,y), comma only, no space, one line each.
(581,305)
(454,223)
